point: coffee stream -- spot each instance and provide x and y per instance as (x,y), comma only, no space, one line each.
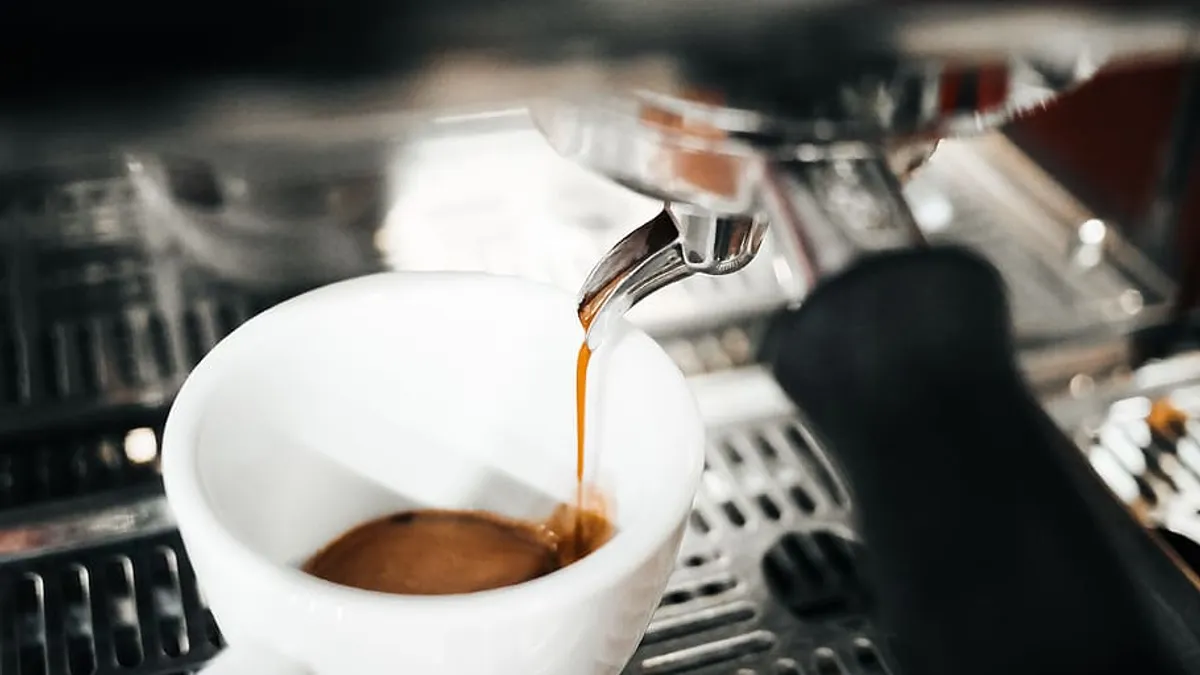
(441,552)
(581,370)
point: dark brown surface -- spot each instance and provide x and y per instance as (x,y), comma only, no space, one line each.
(1107,138)
(438,552)
(993,546)
(1107,142)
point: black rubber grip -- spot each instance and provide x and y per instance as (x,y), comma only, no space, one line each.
(993,547)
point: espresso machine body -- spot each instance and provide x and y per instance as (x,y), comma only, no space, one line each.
(182,174)
(727,109)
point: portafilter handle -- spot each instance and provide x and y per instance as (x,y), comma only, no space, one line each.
(993,547)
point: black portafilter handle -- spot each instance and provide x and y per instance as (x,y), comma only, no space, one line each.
(992,547)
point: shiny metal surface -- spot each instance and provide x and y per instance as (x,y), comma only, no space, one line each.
(764,481)
(696,149)
(138,518)
(98,318)
(655,151)
(768,580)
(258,225)
(487,192)
(768,493)
(680,241)
(94,326)
(1071,276)
(838,210)
(701,127)
(649,258)
(245,181)
(717,244)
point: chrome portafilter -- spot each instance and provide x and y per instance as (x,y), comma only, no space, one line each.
(828,169)
(680,241)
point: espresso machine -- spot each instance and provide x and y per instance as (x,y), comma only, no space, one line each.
(725,175)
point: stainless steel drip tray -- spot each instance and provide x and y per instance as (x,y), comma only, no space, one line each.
(771,523)
(767,582)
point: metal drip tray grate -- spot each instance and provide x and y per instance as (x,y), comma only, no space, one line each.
(768,579)
(123,608)
(766,582)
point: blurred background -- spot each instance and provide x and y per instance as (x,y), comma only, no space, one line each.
(139,227)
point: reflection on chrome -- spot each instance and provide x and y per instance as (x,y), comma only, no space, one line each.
(84,529)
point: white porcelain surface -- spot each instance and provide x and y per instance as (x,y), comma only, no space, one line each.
(438,389)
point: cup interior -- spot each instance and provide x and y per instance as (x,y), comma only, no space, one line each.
(410,390)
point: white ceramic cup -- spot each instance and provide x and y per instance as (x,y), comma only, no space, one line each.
(426,389)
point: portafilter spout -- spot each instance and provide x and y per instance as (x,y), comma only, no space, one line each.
(680,241)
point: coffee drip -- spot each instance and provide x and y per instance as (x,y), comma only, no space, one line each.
(443,552)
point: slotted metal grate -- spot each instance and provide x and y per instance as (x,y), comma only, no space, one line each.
(766,582)
(768,579)
(123,608)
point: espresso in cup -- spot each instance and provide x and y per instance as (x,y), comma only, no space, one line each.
(367,416)
(444,552)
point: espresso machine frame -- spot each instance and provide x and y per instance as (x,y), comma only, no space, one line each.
(767,582)
(108,296)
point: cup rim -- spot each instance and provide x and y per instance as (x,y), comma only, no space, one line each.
(629,548)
